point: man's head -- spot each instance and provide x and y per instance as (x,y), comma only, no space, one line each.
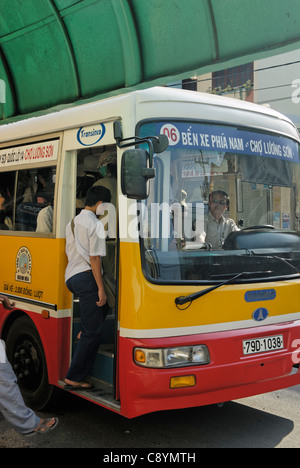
(4,200)
(218,202)
(97,194)
(44,197)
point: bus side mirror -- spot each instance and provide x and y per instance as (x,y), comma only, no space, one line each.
(137,164)
(135,174)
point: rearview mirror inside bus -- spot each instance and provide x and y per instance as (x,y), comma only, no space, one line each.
(135,174)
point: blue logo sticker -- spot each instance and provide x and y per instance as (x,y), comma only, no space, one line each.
(89,136)
(260,295)
(260,314)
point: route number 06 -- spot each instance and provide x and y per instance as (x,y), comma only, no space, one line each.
(172,133)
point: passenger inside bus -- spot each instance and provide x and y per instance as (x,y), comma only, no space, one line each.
(44,222)
(87,175)
(98,168)
(32,183)
(5,220)
(42,181)
(79,187)
(108,169)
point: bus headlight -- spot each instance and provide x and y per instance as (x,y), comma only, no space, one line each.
(172,357)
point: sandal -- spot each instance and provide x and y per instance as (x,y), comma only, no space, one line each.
(83,385)
(43,427)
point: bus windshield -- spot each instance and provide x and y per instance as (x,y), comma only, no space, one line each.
(224,201)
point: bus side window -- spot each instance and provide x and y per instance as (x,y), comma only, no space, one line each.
(35,195)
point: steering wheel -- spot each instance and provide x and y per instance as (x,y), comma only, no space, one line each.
(260,226)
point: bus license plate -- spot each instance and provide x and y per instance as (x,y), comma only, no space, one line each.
(261,345)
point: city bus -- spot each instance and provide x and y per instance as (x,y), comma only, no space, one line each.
(189,323)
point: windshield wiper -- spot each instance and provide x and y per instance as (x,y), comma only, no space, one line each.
(286,262)
(181,300)
(276,257)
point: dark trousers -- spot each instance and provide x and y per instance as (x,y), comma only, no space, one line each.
(92,318)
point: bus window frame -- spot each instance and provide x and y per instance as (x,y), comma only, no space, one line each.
(58,136)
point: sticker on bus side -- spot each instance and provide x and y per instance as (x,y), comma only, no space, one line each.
(89,136)
(23,265)
(29,154)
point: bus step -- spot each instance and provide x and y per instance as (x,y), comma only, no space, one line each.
(101,393)
(103,367)
(107,349)
(104,362)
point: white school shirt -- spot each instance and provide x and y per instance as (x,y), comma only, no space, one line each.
(89,241)
(44,222)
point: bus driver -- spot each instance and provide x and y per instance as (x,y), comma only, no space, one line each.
(217,227)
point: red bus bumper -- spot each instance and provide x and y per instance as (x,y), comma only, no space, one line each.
(229,375)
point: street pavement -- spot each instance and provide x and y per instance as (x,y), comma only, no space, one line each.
(263,421)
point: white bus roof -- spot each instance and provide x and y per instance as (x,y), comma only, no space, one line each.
(157,102)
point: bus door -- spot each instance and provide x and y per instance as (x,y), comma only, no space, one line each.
(98,166)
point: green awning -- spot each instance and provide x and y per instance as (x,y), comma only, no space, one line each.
(60,52)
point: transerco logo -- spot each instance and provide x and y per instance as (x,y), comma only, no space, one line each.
(89,136)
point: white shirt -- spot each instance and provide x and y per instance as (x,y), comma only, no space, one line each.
(89,242)
(44,222)
(216,232)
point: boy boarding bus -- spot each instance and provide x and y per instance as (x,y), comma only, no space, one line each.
(202,248)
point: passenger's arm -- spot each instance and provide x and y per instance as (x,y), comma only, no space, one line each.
(97,272)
